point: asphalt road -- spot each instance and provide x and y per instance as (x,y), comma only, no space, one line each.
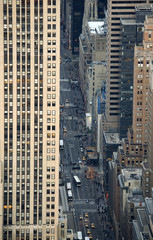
(73,119)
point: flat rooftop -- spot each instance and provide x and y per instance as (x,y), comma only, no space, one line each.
(137,199)
(149,205)
(97,27)
(111,138)
(125,21)
(132,174)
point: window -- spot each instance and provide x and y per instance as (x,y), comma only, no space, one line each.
(49,26)
(54,10)
(54,26)
(53,50)
(53,135)
(53,81)
(53,120)
(53,73)
(48,80)
(54,19)
(48,120)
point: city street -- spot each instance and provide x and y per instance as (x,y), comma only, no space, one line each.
(89,198)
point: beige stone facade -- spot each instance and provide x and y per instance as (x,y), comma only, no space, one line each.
(29,116)
(92,52)
(96,76)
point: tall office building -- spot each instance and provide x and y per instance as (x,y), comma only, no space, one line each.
(29,117)
(131,35)
(77,11)
(116,11)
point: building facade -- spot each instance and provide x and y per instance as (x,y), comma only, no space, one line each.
(147,179)
(116,11)
(29,116)
(77,11)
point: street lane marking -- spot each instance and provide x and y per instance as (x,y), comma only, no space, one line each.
(64,80)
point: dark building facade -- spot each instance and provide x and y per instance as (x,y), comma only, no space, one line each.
(76,23)
(131,34)
(129,37)
(102,6)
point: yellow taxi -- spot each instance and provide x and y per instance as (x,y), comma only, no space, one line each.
(84,158)
(81,217)
(88,231)
(67,100)
(92,225)
(86,222)
(86,215)
(64,130)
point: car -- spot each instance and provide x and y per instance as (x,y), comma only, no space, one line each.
(69,113)
(90,236)
(76,167)
(88,231)
(81,149)
(66,100)
(84,158)
(86,215)
(86,220)
(86,225)
(80,161)
(78,135)
(87,201)
(81,217)
(92,225)
(64,130)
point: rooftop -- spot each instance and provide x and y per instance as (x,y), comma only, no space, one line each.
(132,174)
(137,199)
(149,205)
(144,7)
(111,138)
(125,21)
(97,27)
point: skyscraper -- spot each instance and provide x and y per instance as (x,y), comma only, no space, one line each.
(29,117)
(116,11)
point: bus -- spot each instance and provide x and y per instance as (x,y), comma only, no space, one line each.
(61,144)
(77,181)
(68,186)
(86,238)
(79,235)
(69,194)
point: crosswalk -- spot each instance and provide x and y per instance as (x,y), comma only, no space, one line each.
(65,89)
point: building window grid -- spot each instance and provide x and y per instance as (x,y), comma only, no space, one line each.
(54,11)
